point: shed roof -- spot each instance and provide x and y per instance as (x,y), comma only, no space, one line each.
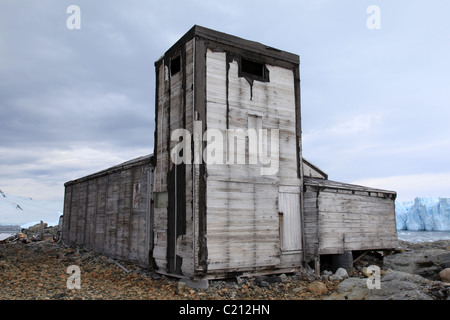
(123,166)
(345,186)
(220,37)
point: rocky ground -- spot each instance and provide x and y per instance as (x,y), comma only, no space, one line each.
(415,272)
(36,270)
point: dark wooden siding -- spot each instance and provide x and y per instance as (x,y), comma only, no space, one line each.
(109,212)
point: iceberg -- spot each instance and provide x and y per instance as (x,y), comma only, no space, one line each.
(423,214)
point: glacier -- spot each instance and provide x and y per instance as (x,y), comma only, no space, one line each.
(423,214)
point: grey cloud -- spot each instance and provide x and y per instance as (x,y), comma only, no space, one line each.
(75,101)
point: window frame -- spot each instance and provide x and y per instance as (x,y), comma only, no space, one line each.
(175,57)
(252,76)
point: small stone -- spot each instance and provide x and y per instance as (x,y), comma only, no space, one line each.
(317,287)
(342,273)
(325,278)
(59,295)
(335,278)
(327,273)
(366,272)
(197,284)
(181,285)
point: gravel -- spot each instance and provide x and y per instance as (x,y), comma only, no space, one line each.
(38,271)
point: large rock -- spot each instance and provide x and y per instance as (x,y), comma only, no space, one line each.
(394,285)
(341,273)
(353,289)
(445,275)
(397,285)
(426,260)
(36,228)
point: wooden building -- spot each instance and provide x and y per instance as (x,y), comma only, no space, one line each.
(226,191)
(108,211)
(341,218)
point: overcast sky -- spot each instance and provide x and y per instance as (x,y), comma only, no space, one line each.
(375,102)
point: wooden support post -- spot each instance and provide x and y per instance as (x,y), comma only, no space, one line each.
(317,265)
(42,230)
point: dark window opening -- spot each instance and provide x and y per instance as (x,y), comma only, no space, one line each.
(252,68)
(175,65)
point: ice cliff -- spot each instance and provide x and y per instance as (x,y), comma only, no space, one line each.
(430,214)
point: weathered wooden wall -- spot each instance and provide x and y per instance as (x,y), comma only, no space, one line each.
(231,215)
(311,171)
(341,217)
(109,212)
(253,220)
(310,222)
(173,224)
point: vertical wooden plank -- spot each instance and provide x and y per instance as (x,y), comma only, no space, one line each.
(89,226)
(146,252)
(93,207)
(112,202)
(101,214)
(134,197)
(74,214)
(67,213)
(200,109)
(289,206)
(81,213)
(124,203)
(311,224)
(137,223)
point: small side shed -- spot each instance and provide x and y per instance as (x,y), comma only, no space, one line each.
(109,211)
(341,217)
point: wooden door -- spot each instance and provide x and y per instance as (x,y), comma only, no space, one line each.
(290,223)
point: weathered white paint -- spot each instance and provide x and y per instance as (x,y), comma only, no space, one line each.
(243,224)
(341,217)
(289,206)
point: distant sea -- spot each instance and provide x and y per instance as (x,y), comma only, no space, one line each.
(422,236)
(3,236)
(7,231)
